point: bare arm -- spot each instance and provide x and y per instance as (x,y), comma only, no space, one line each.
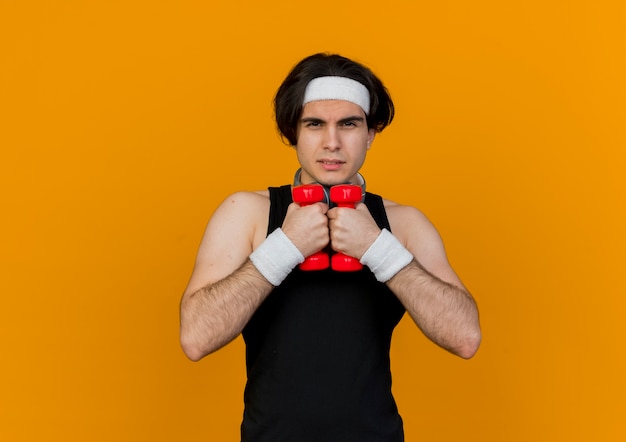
(428,287)
(216,314)
(225,288)
(446,313)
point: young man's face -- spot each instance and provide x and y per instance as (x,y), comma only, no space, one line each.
(333,139)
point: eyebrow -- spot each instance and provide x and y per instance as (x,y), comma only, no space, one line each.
(342,121)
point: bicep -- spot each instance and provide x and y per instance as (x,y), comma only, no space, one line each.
(227,241)
(423,240)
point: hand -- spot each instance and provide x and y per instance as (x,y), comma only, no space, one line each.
(307,227)
(352,231)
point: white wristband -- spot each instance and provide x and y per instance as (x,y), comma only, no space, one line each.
(276,257)
(386,256)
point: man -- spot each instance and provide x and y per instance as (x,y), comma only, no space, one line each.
(317,342)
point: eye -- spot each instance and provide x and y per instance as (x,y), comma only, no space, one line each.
(312,124)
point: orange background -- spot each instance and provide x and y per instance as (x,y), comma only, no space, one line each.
(125,123)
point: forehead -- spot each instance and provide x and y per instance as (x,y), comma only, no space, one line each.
(328,109)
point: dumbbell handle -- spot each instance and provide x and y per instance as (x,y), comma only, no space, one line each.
(345,195)
(305,195)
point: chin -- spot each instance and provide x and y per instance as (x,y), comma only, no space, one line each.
(332,182)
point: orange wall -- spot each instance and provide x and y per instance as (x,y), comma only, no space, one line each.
(124,124)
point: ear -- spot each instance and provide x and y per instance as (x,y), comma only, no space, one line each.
(371,134)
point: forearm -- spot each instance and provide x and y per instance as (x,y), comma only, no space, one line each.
(216,314)
(445,313)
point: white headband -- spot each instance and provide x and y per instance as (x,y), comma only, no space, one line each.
(338,88)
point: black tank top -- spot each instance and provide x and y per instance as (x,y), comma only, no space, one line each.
(317,353)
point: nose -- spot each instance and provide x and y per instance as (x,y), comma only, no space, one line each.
(332,140)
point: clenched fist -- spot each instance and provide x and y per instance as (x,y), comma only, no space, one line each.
(352,231)
(307,227)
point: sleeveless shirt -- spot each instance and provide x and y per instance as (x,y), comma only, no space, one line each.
(317,353)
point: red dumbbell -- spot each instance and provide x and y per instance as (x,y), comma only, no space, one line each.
(345,195)
(306,195)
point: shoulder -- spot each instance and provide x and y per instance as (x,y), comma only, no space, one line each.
(402,216)
(412,227)
(235,228)
(248,197)
(415,231)
(243,202)
(242,211)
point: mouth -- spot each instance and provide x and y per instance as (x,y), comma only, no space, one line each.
(329,164)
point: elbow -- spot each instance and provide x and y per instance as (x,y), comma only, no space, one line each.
(192,353)
(471,339)
(190,347)
(470,345)
(196,346)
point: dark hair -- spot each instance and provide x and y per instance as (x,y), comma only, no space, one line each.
(290,94)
